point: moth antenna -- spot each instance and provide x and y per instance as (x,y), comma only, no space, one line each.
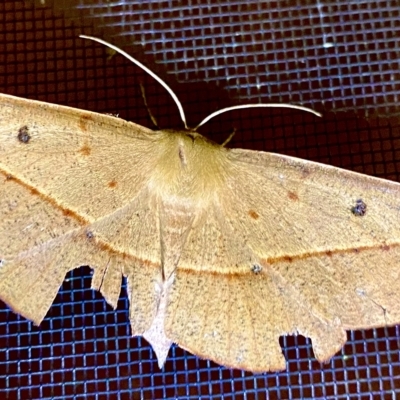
(214,114)
(150,72)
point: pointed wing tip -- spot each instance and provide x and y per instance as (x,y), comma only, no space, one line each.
(161,358)
(160,346)
(160,349)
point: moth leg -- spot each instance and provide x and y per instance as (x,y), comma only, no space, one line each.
(229,138)
(152,117)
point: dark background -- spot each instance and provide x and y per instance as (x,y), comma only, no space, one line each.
(341,58)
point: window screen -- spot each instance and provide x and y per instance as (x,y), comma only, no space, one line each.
(338,57)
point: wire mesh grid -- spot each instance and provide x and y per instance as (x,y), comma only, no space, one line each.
(341,58)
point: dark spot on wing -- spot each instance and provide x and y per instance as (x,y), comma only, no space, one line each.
(253,214)
(89,235)
(287,259)
(85,150)
(256,269)
(112,184)
(328,253)
(293,196)
(23,134)
(385,247)
(359,209)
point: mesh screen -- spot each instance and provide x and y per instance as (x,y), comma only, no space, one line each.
(339,57)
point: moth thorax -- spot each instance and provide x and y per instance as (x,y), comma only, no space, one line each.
(189,168)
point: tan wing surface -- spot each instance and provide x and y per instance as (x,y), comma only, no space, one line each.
(290,247)
(90,164)
(73,192)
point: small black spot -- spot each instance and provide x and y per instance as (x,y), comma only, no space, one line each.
(23,134)
(360,292)
(89,235)
(256,269)
(360,209)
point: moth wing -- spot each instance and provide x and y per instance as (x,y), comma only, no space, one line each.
(295,247)
(72,191)
(88,163)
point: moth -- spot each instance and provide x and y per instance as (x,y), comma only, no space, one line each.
(224,250)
